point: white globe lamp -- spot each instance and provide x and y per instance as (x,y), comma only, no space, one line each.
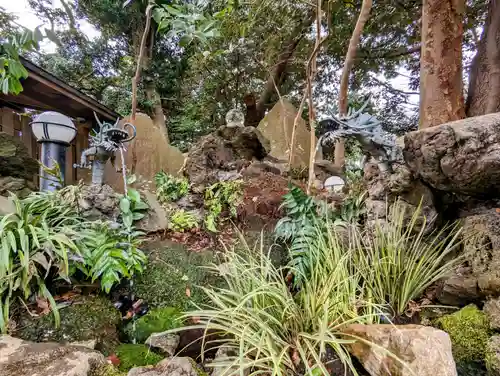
(55,132)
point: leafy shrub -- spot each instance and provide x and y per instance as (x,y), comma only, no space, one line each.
(169,188)
(109,254)
(135,356)
(33,243)
(224,196)
(47,237)
(132,207)
(275,331)
(399,261)
(181,221)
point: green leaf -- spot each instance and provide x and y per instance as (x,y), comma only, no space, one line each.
(125,205)
(133,195)
(5,85)
(137,216)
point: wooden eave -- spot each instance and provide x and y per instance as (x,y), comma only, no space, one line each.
(45,92)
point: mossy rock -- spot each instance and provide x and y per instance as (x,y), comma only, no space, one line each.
(172,276)
(156,321)
(108,370)
(493,356)
(469,331)
(86,319)
(131,356)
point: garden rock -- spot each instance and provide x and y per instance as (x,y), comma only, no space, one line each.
(400,184)
(223,153)
(492,310)
(19,186)
(426,351)
(482,249)
(156,217)
(24,358)
(460,289)
(277,126)
(469,330)
(493,356)
(164,343)
(461,156)
(15,160)
(99,202)
(169,367)
(7,206)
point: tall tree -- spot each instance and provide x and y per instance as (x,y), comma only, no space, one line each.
(484,81)
(441,85)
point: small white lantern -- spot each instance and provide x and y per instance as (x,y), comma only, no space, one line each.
(53,127)
(334,183)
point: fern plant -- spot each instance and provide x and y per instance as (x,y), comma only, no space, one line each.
(224,196)
(181,221)
(299,227)
(169,188)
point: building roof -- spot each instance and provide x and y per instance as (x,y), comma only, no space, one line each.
(45,92)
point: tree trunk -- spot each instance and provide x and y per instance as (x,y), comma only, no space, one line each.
(483,96)
(441,87)
(285,56)
(364,14)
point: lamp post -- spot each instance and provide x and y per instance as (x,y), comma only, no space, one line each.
(55,132)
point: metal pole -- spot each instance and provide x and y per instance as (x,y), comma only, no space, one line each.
(52,152)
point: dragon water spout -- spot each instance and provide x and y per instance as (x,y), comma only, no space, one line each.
(367,130)
(103,146)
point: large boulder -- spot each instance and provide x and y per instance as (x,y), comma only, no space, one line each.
(21,187)
(170,367)
(151,145)
(425,351)
(482,248)
(277,126)
(15,160)
(99,202)
(24,358)
(461,156)
(222,154)
(386,187)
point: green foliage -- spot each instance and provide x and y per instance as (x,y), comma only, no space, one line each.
(181,221)
(132,208)
(135,356)
(46,238)
(222,197)
(155,321)
(275,331)
(399,261)
(109,254)
(108,370)
(186,21)
(33,243)
(469,332)
(11,69)
(169,188)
